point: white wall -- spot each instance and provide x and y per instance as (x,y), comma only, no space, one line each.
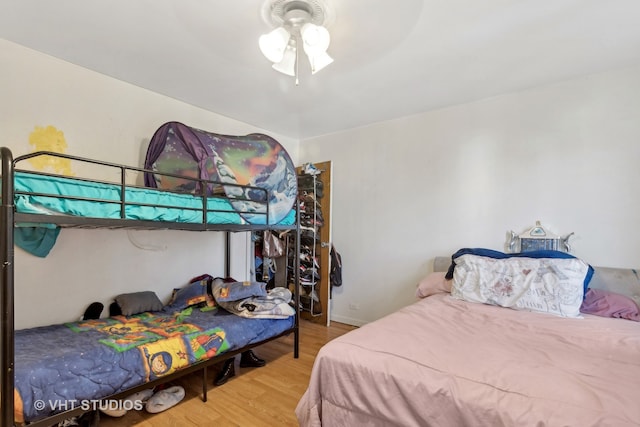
(407,190)
(423,185)
(113,121)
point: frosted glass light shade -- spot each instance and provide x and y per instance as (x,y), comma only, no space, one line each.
(319,61)
(274,44)
(315,39)
(288,64)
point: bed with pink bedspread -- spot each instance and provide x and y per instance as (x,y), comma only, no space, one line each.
(446,361)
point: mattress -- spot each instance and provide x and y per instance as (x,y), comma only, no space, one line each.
(61,365)
(54,195)
(448,362)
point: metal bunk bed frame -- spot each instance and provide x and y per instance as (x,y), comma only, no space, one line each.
(9,217)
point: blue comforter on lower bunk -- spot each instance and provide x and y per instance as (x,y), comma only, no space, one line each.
(59,366)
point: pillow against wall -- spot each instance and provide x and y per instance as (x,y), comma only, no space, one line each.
(235,291)
(604,303)
(533,254)
(433,283)
(547,285)
(624,281)
(138,302)
(441,263)
(196,293)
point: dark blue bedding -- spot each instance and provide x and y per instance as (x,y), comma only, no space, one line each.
(59,366)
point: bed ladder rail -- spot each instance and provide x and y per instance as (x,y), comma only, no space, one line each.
(7,357)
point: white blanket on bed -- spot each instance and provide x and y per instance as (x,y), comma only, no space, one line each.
(275,305)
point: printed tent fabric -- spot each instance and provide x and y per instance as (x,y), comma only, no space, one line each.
(255,160)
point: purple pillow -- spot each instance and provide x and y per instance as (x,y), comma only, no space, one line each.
(609,304)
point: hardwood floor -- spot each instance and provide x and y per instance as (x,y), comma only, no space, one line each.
(255,397)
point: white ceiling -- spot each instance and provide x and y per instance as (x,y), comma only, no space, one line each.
(392,58)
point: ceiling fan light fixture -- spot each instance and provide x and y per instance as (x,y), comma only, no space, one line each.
(288,63)
(319,61)
(299,24)
(273,44)
(315,38)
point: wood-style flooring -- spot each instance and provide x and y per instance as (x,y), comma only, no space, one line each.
(255,397)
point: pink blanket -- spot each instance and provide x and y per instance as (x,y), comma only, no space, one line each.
(446,362)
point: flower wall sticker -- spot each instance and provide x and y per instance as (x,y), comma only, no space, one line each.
(49,139)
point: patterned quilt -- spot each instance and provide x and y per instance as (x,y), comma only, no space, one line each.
(60,366)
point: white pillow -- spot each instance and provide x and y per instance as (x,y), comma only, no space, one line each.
(548,285)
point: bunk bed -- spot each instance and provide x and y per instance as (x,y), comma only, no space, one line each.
(36,199)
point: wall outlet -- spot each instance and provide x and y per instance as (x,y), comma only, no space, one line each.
(354,306)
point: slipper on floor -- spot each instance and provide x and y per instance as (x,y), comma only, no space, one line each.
(130,402)
(139,399)
(115,413)
(165,399)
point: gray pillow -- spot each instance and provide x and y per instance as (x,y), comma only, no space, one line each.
(441,263)
(624,281)
(138,302)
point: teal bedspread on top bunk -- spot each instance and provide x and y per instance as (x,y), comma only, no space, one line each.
(54,195)
(100,200)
